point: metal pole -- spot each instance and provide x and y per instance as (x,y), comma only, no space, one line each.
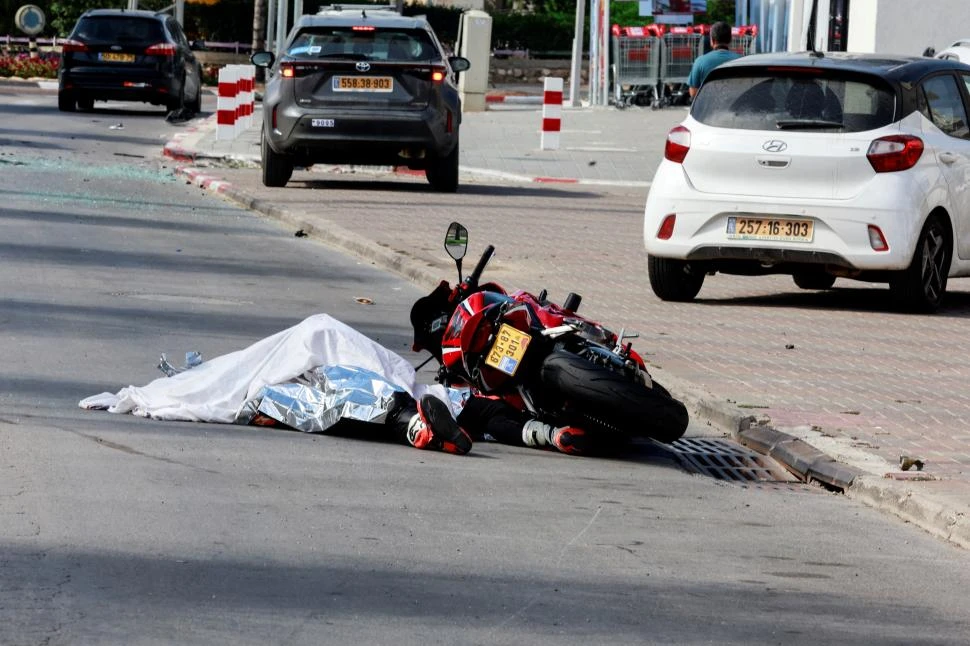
(593,52)
(605,54)
(270,43)
(282,12)
(297,10)
(575,76)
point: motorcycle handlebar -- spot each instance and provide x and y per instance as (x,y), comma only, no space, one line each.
(472,280)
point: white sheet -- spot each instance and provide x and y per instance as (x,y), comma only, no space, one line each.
(216,390)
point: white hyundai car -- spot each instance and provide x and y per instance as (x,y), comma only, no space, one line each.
(818,165)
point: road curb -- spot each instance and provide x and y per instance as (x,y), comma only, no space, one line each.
(912,506)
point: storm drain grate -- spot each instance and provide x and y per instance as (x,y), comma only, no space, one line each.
(725,460)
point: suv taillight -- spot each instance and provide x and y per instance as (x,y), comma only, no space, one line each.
(73,46)
(161,49)
(438,73)
(894,153)
(678,144)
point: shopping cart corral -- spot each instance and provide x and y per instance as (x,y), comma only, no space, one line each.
(636,65)
(743,39)
(681,47)
(651,63)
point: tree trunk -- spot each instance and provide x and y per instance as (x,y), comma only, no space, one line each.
(259,33)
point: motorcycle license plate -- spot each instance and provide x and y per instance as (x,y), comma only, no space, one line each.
(507,351)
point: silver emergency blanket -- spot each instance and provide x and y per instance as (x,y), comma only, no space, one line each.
(323,397)
(229,387)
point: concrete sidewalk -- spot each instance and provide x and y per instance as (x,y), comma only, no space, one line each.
(823,427)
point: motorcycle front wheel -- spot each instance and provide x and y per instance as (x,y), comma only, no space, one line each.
(612,399)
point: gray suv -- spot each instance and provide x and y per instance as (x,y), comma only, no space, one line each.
(361,86)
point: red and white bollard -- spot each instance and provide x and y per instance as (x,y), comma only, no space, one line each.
(227,105)
(551,113)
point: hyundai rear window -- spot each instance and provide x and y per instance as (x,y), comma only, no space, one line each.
(793,101)
(372,45)
(120,29)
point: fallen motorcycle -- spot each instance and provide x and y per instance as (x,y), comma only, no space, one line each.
(564,369)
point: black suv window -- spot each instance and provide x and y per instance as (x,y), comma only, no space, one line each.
(770,101)
(370,44)
(941,102)
(119,29)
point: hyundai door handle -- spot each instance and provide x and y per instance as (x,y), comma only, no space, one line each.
(948,158)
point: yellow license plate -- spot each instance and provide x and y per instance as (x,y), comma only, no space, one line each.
(115,57)
(363,84)
(507,351)
(767,228)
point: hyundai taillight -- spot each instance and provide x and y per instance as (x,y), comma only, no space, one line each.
(161,49)
(894,153)
(678,144)
(438,73)
(73,46)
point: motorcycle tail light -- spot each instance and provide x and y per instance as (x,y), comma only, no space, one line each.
(161,49)
(894,153)
(876,239)
(667,227)
(678,144)
(73,46)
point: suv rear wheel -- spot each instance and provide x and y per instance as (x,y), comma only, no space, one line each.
(277,168)
(673,280)
(442,172)
(66,101)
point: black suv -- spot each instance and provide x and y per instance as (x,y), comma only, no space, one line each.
(361,86)
(119,55)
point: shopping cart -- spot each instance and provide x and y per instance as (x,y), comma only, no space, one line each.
(682,46)
(743,39)
(636,65)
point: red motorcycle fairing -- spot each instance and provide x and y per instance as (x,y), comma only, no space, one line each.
(471,330)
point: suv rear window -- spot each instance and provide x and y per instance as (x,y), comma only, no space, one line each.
(768,101)
(119,29)
(370,44)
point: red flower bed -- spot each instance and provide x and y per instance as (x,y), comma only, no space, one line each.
(23,66)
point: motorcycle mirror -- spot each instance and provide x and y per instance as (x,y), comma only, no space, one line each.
(456,241)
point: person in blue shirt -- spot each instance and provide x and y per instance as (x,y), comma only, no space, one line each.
(720,41)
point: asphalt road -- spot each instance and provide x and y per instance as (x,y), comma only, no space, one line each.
(122,530)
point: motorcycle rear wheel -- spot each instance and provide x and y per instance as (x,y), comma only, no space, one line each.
(613,399)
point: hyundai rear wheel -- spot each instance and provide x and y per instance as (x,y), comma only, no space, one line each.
(920,287)
(674,280)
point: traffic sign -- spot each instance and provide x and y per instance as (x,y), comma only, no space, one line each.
(30,19)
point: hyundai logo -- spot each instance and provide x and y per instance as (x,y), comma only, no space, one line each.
(775,146)
(363,67)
